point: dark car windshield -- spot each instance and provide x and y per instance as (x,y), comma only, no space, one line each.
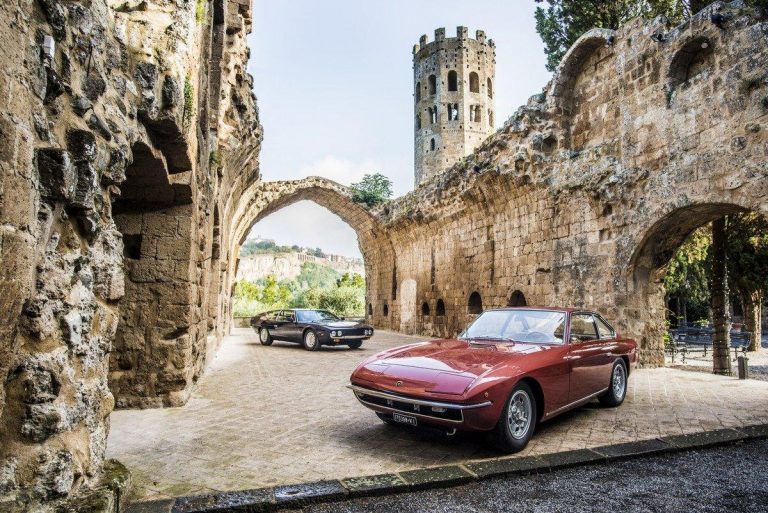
(536,326)
(315,316)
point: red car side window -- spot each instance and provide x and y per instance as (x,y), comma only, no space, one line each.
(582,328)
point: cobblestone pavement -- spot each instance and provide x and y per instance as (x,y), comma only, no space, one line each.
(279,415)
(724,479)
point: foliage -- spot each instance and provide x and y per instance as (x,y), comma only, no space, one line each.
(688,272)
(748,251)
(315,287)
(351,280)
(372,190)
(562,22)
(189,98)
(200,11)
(345,301)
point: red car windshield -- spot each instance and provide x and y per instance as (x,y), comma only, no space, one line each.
(534,326)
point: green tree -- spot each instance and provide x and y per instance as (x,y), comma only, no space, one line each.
(372,190)
(748,268)
(686,281)
(247,290)
(346,301)
(351,280)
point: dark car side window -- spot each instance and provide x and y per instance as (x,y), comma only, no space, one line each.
(582,328)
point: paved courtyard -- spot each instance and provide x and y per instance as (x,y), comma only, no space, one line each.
(263,416)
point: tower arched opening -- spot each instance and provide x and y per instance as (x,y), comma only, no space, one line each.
(474,83)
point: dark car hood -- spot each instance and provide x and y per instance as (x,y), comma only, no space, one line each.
(441,366)
(339,324)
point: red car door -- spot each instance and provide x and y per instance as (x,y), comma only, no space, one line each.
(587,356)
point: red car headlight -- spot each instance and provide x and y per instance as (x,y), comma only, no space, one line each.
(447,383)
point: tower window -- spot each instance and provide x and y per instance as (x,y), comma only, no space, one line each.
(474,113)
(432,144)
(432,115)
(489,86)
(418,121)
(490,118)
(453,81)
(440,309)
(474,83)
(418,91)
(453,111)
(432,84)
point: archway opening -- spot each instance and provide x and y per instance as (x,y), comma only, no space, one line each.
(440,308)
(475,304)
(474,83)
(425,310)
(154,214)
(703,272)
(517,298)
(300,255)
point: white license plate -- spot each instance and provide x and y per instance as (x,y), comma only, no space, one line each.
(405,419)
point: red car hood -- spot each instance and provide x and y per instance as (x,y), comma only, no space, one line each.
(441,366)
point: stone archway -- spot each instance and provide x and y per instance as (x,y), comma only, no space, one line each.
(265,198)
(648,265)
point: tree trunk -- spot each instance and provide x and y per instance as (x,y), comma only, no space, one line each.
(721,338)
(753,306)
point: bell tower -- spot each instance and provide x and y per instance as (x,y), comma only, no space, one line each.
(454,82)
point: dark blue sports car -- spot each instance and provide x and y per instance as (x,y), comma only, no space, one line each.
(311,328)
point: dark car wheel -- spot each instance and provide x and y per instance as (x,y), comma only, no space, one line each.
(310,341)
(518,420)
(264,337)
(617,388)
(355,344)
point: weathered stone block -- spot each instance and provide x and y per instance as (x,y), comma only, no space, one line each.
(56,172)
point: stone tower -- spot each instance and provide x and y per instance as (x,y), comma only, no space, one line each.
(453,98)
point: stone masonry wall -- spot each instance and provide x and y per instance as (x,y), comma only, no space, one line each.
(113,190)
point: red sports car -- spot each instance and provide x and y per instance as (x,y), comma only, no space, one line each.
(510,369)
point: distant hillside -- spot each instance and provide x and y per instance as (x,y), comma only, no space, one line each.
(261,258)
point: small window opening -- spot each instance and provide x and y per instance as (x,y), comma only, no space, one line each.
(474,83)
(432,84)
(475,304)
(453,81)
(132,246)
(425,308)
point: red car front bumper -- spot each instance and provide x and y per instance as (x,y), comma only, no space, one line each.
(480,416)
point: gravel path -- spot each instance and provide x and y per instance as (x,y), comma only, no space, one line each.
(730,479)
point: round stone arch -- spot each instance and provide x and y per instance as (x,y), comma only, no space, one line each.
(264,198)
(653,247)
(578,80)
(573,61)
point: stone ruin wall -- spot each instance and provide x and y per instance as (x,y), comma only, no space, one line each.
(643,135)
(119,124)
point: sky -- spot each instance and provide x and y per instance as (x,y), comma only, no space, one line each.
(334,82)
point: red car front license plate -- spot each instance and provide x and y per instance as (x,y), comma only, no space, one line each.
(405,419)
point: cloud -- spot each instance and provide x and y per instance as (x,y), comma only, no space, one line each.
(339,170)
